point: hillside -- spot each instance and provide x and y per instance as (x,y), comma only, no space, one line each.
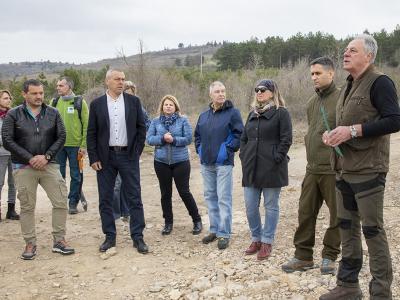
(163,58)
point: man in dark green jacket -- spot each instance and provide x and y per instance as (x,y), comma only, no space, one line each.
(367,112)
(319,181)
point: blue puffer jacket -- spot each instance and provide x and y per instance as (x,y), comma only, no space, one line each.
(217,135)
(173,153)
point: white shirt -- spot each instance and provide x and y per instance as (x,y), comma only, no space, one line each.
(116,113)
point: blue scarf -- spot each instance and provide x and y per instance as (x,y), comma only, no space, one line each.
(168,121)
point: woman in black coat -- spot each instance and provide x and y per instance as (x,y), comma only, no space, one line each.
(264,145)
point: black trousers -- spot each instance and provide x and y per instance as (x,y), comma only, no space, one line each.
(130,175)
(180,172)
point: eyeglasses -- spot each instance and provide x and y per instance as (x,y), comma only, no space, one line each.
(261,89)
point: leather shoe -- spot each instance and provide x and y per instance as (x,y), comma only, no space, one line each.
(107,244)
(141,246)
(197,227)
(167,229)
(253,248)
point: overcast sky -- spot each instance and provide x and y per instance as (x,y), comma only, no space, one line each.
(83,31)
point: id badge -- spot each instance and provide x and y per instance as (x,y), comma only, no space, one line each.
(70,109)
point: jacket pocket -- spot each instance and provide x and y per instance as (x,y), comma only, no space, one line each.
(222,154)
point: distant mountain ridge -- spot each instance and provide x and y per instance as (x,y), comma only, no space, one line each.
(164,58)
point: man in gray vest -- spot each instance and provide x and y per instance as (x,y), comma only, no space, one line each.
(366,113)
(319,182)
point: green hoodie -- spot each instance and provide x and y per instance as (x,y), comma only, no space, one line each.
(76,135)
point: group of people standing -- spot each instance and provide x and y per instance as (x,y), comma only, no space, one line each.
(347,145)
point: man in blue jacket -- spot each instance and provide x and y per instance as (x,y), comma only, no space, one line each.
(217,137)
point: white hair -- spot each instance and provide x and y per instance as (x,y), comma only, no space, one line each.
(215,83)
(370,45)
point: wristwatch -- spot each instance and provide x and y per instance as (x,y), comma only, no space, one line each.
(47,156)
(353,131)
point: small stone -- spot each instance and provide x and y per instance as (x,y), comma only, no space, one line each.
(192,296)
(214,292)
(56,284)
(201,284)
(157,287)
(175,294)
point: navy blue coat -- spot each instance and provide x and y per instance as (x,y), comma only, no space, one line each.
(217,135)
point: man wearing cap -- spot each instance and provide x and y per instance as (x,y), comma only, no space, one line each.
(319,181)
(367,112)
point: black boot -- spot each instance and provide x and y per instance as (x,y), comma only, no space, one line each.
(167,229)
(11,213)
(197,227)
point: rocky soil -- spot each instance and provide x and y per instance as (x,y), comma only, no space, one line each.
(178,266)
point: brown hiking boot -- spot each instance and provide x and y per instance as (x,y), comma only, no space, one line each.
(327,266)
(253,248)
(265,251)
(343,293)
(29,252)
(297,265)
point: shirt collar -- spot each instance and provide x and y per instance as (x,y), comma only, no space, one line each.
(111,99)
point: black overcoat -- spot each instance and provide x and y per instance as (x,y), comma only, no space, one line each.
(264,145)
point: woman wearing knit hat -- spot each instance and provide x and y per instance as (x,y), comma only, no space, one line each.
(264,145)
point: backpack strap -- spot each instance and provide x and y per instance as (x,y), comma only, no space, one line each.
(55,101)
(78,107)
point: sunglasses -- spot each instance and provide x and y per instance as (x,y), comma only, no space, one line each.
(261,89)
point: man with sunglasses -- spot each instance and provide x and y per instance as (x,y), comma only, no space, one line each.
(319,181)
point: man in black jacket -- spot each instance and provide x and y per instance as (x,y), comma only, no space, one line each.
(115,140)
(34,132)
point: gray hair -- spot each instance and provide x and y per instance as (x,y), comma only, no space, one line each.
(110,71)
(370,45)
(215,83)
(68,81)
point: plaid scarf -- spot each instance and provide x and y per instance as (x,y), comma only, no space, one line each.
(168,121)
(3,113)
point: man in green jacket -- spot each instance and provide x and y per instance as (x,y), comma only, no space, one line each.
(366,113)
(319,181)
(75,114)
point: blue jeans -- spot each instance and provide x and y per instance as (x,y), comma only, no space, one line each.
(120,206)
(72,154)
(218,195)
(252,197)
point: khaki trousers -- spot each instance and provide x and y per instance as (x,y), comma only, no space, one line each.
(50,179)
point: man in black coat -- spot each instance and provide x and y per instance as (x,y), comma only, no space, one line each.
(115,140)
(34,132)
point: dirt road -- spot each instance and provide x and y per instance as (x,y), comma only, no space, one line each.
(178,266)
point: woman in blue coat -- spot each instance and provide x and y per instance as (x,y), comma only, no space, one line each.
(171,133)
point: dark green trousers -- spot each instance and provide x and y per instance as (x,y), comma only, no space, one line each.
(360,206)
(316,189)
